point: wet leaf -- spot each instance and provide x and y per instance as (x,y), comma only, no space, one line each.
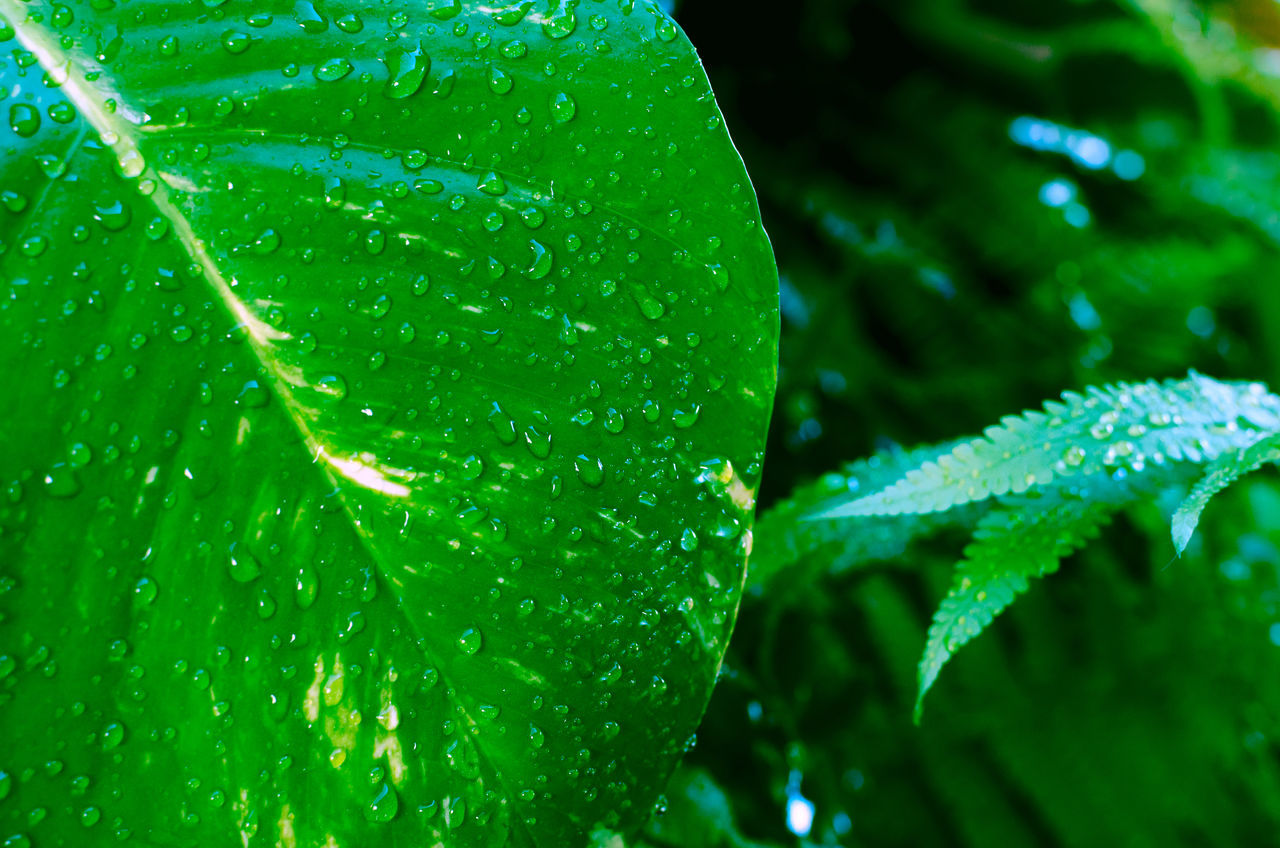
(386,438)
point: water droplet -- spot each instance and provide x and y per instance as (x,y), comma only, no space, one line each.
(590,470)
(650,306)
(235,41)
(353,626)
(470,641)
(24,119)
(492,184)
(350,23)
(686,417)
(561,22)
(335,192)
(665,28)
(688,540)
(613,420)
(504,427)
(500,82)
(538,439)
(384,806)
(513,13)
(332,386)
(80,455)
(253,395)
(242,565)
(62,113)
(533,217)
(1074,456)
(145,591)
(563,107)
(543,259)
(114,216)
(306,16)
(332,70)
(472,467)
(266,242)
(61,481)
(112,736)
(443,10)
(408,68)
(306,587)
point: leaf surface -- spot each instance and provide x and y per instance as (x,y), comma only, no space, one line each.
(1023,539)
(785,536)
(1219,475)
(1115,426)
(391,384)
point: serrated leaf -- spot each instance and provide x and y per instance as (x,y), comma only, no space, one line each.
(785,535)
(1116,426)
(1219,475)
(1024,538)
(391,386)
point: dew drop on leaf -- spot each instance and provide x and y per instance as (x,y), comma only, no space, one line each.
(543,259)
(500,82)
(306,16)
(384,806)
(62,481)
(590,470)
(24,119)
(332,387)
(332,70)
(563,107)
(470,641)
(235,42)
(242,565)
(560,22)
(408,68)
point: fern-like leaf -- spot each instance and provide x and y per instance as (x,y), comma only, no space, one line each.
(1024,538)
(1116,426)
(1220,474)
(784,538)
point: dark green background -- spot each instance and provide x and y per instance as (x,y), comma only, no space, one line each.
(1131,699)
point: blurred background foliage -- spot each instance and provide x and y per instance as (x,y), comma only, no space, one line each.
(976,204)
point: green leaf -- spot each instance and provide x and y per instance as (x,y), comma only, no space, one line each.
(1023,539)
(785,535)
(698,814)
(1219,475)
(1116,426)
(391,382)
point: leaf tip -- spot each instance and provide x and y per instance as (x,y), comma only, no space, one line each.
(1184,527)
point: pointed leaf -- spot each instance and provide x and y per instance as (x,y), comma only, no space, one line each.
(786,535)
(1116,426)
(391,384)
(1219,475)
(1023,539)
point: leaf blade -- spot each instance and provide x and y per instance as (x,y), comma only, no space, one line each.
(1219,475)
(392,407)
(1127,425)
(1022,540)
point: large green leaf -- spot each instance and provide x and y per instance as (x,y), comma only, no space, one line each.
(385,389)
